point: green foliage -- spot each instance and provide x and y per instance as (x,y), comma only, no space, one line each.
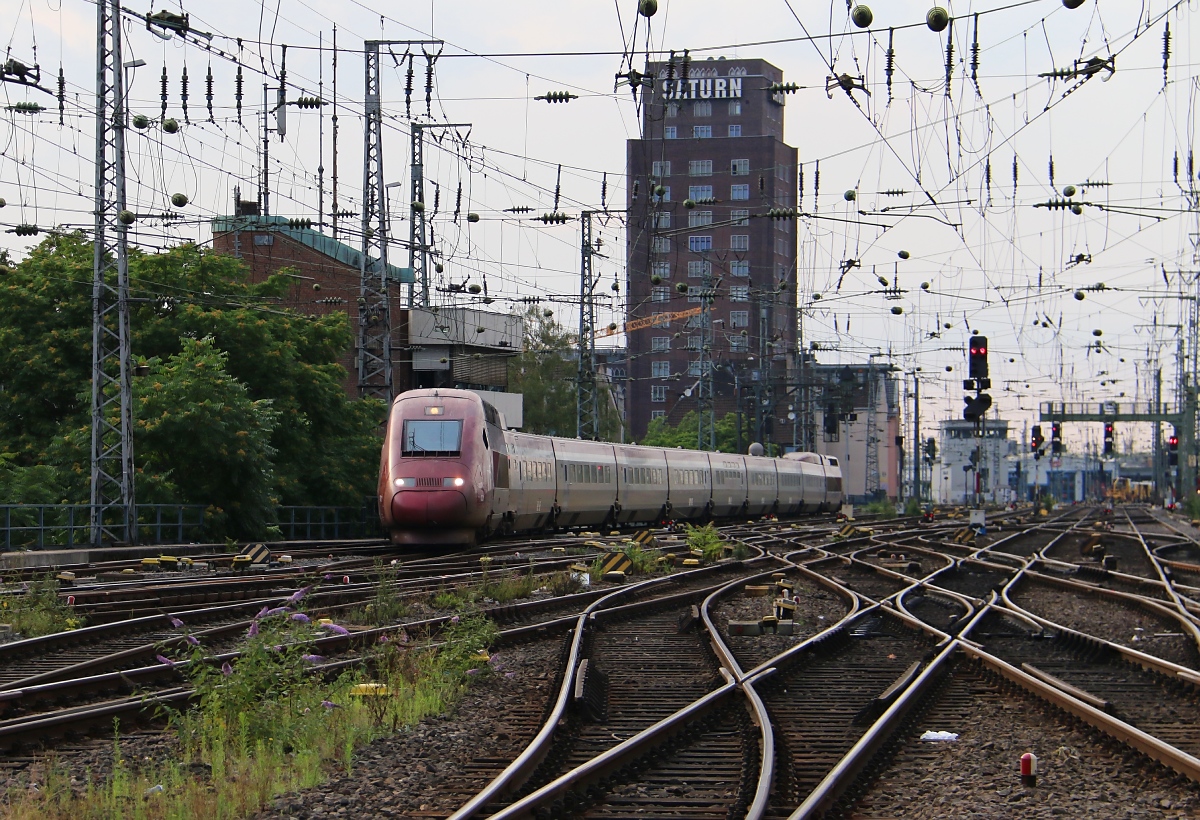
(1191,506)
(505,587)
(278,379)
(685,434)
(34,608)
(264,727)
(546,372)
(881,508)
(643,560)
(707,540)
(912,507)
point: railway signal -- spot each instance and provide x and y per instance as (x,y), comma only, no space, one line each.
(1109,439)
(977,407)
(1036,440)
(1173,451)
(1056,445)
(977,362)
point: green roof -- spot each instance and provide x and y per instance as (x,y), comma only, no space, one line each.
(319,242)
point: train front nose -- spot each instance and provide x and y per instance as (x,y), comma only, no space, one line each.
(429,508)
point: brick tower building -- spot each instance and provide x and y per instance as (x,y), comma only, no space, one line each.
(709,167)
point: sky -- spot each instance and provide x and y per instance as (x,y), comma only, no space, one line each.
(931,165)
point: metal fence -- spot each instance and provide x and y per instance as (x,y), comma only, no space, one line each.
(66,526)
(327,523)
(42,526)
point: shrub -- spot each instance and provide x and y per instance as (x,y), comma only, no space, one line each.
(37,609)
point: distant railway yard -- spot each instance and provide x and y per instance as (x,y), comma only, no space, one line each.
(1049,666)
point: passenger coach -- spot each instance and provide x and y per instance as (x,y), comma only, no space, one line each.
(450,473)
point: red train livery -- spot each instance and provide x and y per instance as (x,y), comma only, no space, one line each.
(451,474)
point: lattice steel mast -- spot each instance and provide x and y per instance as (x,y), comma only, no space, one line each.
(374,354)
(113,512)
(587,405)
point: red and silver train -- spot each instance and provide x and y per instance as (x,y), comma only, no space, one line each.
(451,474)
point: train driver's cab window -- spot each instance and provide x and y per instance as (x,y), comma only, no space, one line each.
(432,438)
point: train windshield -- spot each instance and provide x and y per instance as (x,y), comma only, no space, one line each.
(432,438)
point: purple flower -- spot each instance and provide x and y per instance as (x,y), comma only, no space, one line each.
(175,622)
(472,671)
(253,630)
(327,576)
(454,619)
(403,636)
(510,674)
(383,638)
(300,617)
(226,669)
(312,658)
(277,647)
(191,639)
(328,704)
(262,612)
(279,610)
(298,594)
(335,629)
(163,659)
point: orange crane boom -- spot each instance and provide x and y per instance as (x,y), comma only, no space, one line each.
(648,321)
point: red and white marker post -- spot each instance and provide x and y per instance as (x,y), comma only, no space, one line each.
(1029,769)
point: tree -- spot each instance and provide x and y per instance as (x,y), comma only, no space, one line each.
(321,447)
(546,373)
(661,433)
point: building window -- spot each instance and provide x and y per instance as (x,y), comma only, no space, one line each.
(694,367)
(698,219)
(781,246)
(657,414)
(702,320)
(701,132)
(662,219)
(739,293)
(784,225)
(739,268)
(660,320)
(702,109)
(739,192)
(739,217)
(662,244)
(739,242)
(700,168)
(660,294)
(693,342)
(662,269)
(669,132)
(660,343)
(739,318)
(696,192)
(660,370)
(666,194)
(738,344)
(740,167)
(735,108)
(694,294)
(699,244)
(672,109)
(658,392)
(658,170)
(697,269)
(735,130)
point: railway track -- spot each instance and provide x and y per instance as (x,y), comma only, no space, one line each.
(673,716)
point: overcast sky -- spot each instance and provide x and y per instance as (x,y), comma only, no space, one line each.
(994,262)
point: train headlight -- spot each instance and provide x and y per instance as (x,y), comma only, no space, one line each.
(405,482)
(452,482)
